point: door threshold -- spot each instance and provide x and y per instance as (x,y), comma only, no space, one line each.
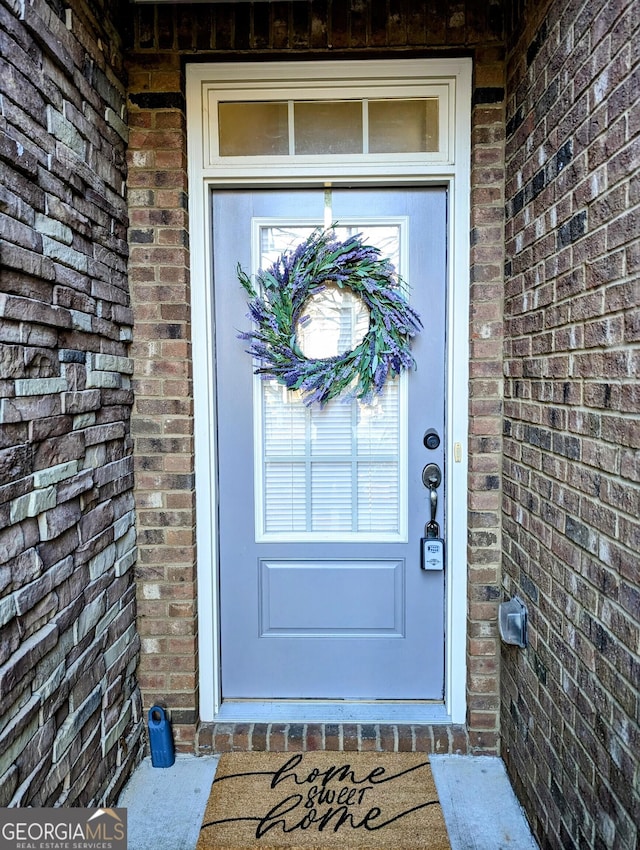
(329,711)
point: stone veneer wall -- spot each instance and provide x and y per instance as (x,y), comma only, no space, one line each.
(70,712)
(571,706)
(163,39)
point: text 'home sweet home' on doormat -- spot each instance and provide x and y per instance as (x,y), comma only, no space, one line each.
(318,800)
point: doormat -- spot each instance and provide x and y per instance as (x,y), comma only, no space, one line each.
(318,800)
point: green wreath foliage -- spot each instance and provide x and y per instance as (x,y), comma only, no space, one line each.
(277,303)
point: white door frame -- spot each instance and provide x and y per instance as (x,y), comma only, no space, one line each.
(207,171)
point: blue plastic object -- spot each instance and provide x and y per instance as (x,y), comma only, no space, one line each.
(160,738)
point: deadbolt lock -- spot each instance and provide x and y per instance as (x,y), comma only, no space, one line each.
(431,439)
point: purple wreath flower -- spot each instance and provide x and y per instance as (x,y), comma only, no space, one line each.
(276,306)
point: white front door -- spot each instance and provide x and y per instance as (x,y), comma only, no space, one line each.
(321,511)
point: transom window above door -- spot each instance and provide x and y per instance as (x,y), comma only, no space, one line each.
(328,127)
(343,122)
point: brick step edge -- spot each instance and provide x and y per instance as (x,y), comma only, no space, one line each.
(348,737)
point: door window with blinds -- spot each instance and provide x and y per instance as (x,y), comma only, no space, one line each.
(337,472)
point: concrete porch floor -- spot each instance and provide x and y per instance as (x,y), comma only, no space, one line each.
(165,805)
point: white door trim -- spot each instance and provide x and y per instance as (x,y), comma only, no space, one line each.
(204,175)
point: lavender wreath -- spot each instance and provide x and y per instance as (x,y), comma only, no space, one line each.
(277,304)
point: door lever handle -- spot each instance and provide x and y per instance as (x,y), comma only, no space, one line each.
(432,478)
(432,545)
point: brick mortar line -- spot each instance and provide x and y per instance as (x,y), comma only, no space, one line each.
(588,234)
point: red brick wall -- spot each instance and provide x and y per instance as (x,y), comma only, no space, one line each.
(163,38)
(70,711)
(163,410)
(571,476)
(485,396)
